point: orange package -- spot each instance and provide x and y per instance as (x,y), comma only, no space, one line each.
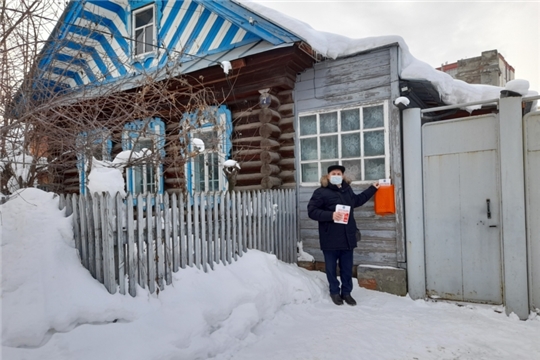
(384,200)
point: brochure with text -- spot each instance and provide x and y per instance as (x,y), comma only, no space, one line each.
(345,210)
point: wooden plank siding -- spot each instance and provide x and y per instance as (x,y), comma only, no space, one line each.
(357,80)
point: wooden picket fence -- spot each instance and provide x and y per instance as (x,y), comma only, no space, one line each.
(124,242)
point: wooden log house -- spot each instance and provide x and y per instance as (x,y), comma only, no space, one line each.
(321,111)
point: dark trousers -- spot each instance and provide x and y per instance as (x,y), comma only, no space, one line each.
(345,260)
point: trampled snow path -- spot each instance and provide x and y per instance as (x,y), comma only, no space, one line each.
(384,326)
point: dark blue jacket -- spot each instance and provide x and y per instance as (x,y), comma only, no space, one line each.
(322,205)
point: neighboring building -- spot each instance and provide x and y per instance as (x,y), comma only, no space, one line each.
(490,68)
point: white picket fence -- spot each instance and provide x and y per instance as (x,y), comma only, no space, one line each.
(123,242)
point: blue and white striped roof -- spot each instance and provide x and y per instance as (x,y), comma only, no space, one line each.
(92,43)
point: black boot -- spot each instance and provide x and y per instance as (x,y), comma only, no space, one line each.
(336,299)
(349,300)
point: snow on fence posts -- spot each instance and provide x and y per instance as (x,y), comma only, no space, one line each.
(122,244)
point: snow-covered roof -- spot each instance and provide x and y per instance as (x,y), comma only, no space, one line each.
(334,46)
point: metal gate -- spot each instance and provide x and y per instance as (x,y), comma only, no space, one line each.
(532,195)
(462,209)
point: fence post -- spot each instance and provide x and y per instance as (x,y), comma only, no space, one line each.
(234,234)
(183,236)
(240,221)
(222,243)
(67,204)
(175,244)
(196,235)
(96,202)
(243,216)
(132,256)
(84,231)
(91,235)
(167,244)
(160,253)
(266,222)
(150,246)
(142,267)
(210,205)
(293,229)
(202,235)
(117,205)
(227,206)
(273,223)
(216,228)
(108,215)
(76,225)
(281,214)
(61,202)
(248,214)
(189,248)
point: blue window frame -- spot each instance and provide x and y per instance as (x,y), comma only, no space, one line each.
(145,138)
(91,144)
(213,128)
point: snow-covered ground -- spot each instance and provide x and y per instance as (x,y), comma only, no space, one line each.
(256,308)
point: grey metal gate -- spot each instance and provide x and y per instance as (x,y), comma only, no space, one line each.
(462,209)
(532,195)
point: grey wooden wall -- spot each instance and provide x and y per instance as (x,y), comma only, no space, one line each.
(357,80)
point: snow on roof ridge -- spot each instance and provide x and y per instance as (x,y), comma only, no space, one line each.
(330,45)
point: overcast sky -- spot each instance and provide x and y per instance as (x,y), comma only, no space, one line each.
(435,31)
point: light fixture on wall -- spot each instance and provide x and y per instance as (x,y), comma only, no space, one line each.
(265,99)
(402,102)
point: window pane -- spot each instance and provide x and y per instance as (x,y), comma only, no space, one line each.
(374,143)
(149,39)
(150,179)
(353,169)
(329,147)
(350,145)
(138,186)
(198,173)
(328,122)
(308,149)
(373,117)
(213,168)
(139,42)
(374,169)
(144,17)
(211,140)
(308,125)
(325,165)
(350,120)
(310,172)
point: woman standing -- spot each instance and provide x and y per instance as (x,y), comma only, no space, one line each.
(337,230)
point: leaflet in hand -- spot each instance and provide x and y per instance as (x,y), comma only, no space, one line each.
(345,210)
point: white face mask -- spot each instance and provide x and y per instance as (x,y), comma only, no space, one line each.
(336,179)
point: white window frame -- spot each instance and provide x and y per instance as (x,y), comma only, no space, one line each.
(135,29)
(100,139)
(206,154)
(219,128)
(340,159)
(130,138)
